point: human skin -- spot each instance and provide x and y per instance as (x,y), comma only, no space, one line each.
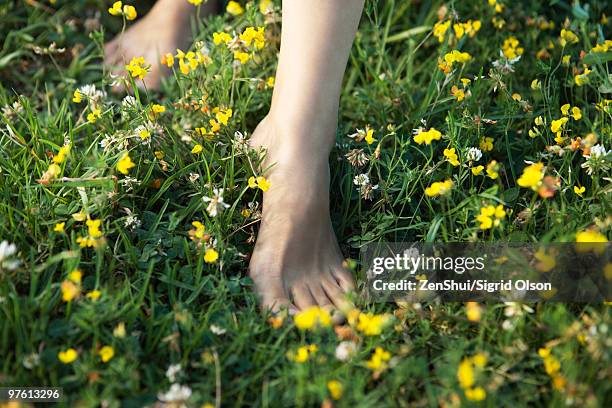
(296,262)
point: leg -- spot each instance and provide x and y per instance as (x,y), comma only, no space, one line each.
(164,29)
(297,259)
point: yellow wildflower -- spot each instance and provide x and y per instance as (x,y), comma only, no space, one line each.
(567,36)
(312,318)
(70,291)
(197,149)
(67,356)
(125,163)
(440,29)
(427,136)
(493,170)
(221,37)
(439,188)
(94,115)
(451,156)
(253,36)
(378,360)
(590,236)
(582,79)
(473,311)
(106,353)
(211,255)
(371,324)
(335,389)
(476,394)
(477,170)
(137,67)
(75,276)
(532,176)
(234,8)
(511,48)
(61,155)
(486,144)
(579,190)
(465,373)
(77,96)
(93,295)
(59,227)
(260,182)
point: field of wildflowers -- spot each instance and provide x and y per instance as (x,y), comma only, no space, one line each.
(126,222)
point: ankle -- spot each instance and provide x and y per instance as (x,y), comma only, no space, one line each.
(300,136)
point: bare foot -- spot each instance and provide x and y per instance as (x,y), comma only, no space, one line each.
(164,29)
(297,261)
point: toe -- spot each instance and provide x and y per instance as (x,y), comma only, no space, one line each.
(320,296)
(344,279)
(302,297)
(336,294)
(272,294)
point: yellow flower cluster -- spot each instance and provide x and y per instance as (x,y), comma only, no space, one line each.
(451,58)
(137,68)
(493,170)
(603,47)
(234,8)
(557,126)
(582,79)
(567,36)
(427,136)
(125,163)
(371,324)
(302,354)
(466,375)
(118,9)
(312,318)
(67,356)
(250,37)
(552,366)
(439,188)
(486,144)
(497,6)
(491,216)
(94,235)
(532,176)
(378,362)
(106,353)
(94,115)
(511,48)
(71,287)
(451,156)
(335,389)
(260,182)
(469,28)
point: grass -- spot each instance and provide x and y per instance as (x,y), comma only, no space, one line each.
(152,274)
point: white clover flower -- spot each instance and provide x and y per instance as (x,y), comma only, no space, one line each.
(345,350)
(173,371)
(217,330)
(473,154)
(129,102)
(598,151)
(7,251)
(175,395)
(215,203)
(93,95)
(31,360)
(361,180)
